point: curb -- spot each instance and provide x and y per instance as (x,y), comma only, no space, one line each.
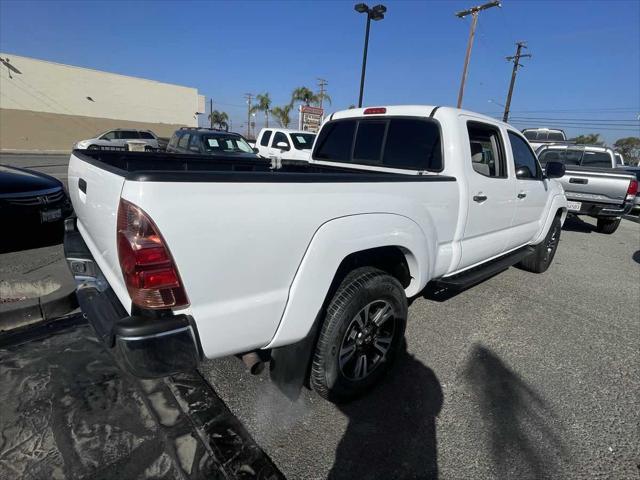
(36,310)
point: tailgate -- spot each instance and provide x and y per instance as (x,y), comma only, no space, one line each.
(598,187)
(95,195)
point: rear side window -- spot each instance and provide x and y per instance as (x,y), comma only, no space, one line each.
(128,135)
(485,143)
(146,136)
(404,143)
(184,140)
(264,141)
(565,156)
(525,161)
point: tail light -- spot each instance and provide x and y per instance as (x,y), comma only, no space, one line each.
(149,271)
(632,191)
(375,111)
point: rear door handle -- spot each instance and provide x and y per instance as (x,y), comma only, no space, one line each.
(82,185)
(582,181)
(522,195)
(479,198)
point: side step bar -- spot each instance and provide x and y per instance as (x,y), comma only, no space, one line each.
(477,274)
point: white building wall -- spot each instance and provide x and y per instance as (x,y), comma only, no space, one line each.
(63,89)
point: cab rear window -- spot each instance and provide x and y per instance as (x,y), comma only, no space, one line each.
(404,143)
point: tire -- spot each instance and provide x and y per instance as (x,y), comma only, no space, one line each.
(541,259)
(350,332)
(94,147)
(608,226)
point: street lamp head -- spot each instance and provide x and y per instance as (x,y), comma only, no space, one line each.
(361,8)
(376,16)
(380,9)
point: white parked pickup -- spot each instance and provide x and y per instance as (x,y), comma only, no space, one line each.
(181,258)
(278,144)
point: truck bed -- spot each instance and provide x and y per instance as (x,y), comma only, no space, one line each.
(172,167)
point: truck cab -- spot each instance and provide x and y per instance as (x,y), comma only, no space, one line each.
(280,144)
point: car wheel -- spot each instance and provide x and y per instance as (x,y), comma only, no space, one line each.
(607,225)
(94,147)
(360,336)
(540,260)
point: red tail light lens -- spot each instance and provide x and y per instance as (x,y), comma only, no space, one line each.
(149,271)
(633,188)
(375,111)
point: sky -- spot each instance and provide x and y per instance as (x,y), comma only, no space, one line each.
(584,73)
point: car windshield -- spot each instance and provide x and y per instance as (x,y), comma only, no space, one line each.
(225,144)
(303,141)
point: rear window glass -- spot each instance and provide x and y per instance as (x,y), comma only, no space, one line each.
(530,134)
(368,147)
(405,143)
(335,141)
(596,159)
(556,136)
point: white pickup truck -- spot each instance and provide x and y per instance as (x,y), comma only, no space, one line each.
(181,258)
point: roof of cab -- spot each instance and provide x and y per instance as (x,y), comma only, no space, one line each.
(413,111)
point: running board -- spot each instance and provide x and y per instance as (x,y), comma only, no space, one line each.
(477,274)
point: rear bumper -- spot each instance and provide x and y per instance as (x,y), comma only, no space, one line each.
(149,344)
(599,210)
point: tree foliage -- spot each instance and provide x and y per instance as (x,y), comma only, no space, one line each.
(588,139)
(263,105)
(281,114)
(629,147)
(221,119)
(304,95)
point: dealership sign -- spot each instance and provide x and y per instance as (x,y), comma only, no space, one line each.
(310,118)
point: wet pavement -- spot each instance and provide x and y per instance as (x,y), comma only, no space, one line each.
(68,411)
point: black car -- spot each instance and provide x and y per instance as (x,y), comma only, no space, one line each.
(30,199)
(207,141)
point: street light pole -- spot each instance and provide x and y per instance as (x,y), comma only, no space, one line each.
(473,11)
(364,61)
(375,13)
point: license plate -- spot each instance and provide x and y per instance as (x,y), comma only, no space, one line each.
(53,215)
(574,206)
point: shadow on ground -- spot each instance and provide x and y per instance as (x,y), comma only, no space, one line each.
(392,429)
(518,422)
(20,238)
(636,256)
(576,224)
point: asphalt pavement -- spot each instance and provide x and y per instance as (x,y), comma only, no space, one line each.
(524,376)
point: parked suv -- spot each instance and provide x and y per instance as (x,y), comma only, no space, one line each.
(208,141)
(119,138)
(280,144)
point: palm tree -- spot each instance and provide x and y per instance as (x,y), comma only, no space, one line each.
(263,105)
(304,95)
(281,114)
(323,97)
(221,119)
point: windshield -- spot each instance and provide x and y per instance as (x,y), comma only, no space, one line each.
(225,144)
(302,141)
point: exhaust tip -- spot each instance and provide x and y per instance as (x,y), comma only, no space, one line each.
(253,362)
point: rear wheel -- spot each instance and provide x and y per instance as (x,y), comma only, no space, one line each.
(360,336)
(608,225)
(540,260)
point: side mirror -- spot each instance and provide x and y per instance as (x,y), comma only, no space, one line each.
(255,150)
(283,146)
(523,172)
(554,170)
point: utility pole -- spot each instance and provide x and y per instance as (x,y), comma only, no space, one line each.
(473,11)
(516,64)
(322,83)
(211,111)
(248,96)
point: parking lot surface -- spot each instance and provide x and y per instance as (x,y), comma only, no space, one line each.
(524,376)
(68,411)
